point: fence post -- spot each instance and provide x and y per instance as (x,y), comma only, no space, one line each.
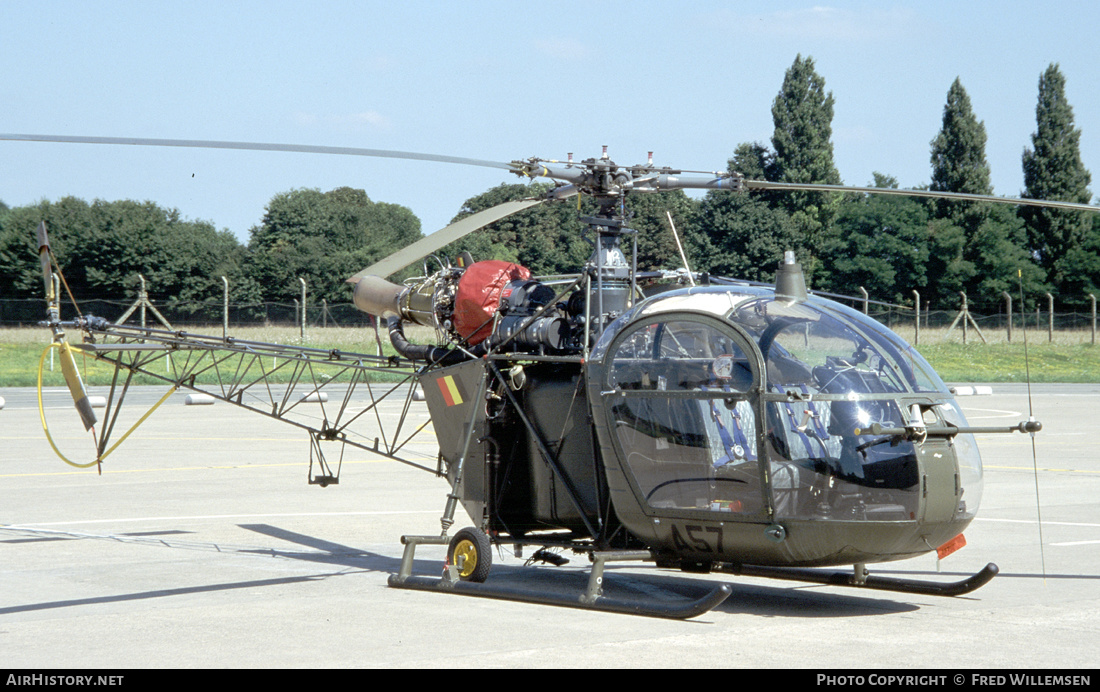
(965,311)
(225,308)
(1092,298)
(144,298)
(916,311)
(303,327)
(863,292)
(1008,309)
(324,313)
(1050,318)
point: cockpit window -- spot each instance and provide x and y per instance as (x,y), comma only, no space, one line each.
(834,349)
(679,355)
(831,376)
(684,415)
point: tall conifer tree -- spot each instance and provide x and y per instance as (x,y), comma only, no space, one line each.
(1053,171)
(971,245)
(958,155)
(803,117)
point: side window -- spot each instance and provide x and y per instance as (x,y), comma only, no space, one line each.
(684,415)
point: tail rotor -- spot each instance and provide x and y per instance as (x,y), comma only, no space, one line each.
(68,362)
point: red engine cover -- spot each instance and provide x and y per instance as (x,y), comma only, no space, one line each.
(478,296)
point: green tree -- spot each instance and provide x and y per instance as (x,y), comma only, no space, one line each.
(656,243)
(1001,260)
(69,222)
(551,239)
(1053,171)
(547,239)
(190,260)
(993,251)
(102,248)
(883,246)
(803,114)
(745,238)
(958,159)
(743,235)
(753,160)
(949,270)
(324,238)
(1081,265)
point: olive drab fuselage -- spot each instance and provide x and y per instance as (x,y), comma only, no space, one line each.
(736,427)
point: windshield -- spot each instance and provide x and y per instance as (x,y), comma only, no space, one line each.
(829,347)
(832,373)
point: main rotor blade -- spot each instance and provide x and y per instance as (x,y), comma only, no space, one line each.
(931,194)
(257,146)
(447,235)
(517,167)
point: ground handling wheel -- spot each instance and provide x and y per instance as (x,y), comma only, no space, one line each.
(471,552)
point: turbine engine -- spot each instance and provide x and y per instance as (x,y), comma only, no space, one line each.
(492,303)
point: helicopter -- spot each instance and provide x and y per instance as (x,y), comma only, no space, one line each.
(696,423)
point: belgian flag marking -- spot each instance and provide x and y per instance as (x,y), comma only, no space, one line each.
(449,389)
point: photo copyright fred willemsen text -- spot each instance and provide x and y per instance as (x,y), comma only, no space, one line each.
(956,679)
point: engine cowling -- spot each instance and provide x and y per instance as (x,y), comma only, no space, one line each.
(492,302)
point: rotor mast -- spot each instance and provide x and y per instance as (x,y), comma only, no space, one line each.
(612,277)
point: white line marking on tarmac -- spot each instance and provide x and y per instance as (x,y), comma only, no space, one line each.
(219,516)
(1002,413)
(1033,521)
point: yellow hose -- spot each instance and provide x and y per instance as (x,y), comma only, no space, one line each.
(46,428)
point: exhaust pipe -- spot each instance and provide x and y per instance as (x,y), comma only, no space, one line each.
(376,296)
(437,355)
(396,304)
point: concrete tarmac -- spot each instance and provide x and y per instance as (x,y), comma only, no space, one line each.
(201,545)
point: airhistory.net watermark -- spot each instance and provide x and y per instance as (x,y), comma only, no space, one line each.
(36,679)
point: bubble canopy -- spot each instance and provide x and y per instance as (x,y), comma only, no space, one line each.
(726,400)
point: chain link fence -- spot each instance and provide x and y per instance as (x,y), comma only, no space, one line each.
(29,312)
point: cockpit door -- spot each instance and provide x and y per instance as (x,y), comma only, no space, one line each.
(682,401)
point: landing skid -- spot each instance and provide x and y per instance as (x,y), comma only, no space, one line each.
(592,599)
(859,578)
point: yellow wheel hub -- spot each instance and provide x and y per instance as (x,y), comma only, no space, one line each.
(465,555)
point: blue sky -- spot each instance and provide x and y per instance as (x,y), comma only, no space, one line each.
(501,81)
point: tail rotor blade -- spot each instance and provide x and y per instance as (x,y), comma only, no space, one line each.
(76,386)
(44,258)
(68,362)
